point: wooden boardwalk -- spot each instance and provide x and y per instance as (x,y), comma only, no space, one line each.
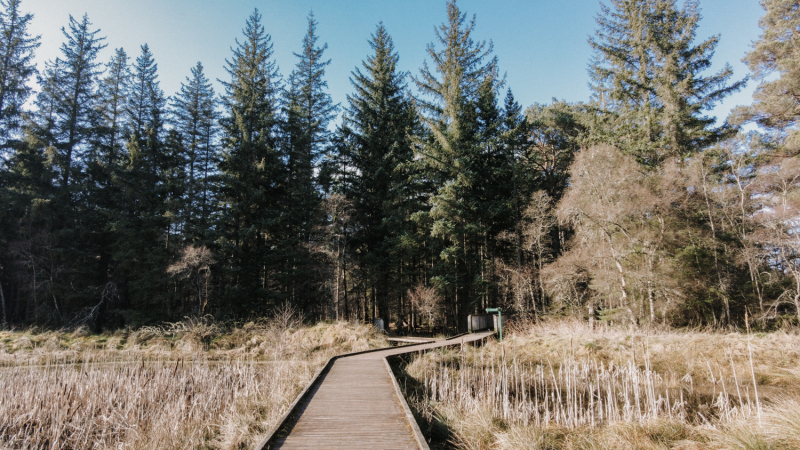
(356,404)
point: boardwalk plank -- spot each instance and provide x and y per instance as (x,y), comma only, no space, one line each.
(354,406)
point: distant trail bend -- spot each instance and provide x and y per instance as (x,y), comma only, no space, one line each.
(355,403)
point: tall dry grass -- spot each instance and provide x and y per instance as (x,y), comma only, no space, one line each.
(181,386)
(564,385)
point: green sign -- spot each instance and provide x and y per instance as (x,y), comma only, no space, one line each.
(499,319)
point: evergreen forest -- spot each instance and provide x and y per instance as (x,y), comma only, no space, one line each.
(423,198)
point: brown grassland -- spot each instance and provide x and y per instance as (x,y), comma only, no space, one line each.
(550,385)
(188,385)
(564,385)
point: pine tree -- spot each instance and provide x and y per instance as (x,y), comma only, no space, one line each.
(253,173)
(378,122)
(16,66)
(194,116)
(647,75)
(554,134)
(452,155)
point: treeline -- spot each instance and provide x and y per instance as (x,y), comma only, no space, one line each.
(435,196)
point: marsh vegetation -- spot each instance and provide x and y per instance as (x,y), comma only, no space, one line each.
(566,385)
(187,385)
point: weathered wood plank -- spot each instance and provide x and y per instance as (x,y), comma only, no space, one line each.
(411,340)
(355,404)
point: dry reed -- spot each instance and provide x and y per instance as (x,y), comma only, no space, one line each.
(564,385)
(182,386)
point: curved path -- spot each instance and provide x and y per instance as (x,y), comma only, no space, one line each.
(355,403)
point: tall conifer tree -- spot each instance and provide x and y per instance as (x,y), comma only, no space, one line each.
(75,81)
(23,172)
(776,105)
(64,130)
(378,122)
(252,170)
(647,74)
(308,110)
(17,48)
(143,218)
(101,196)
(145,96)
(452,155)
(194,116)
(112,105)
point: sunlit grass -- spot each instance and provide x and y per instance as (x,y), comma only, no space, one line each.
(180,386)
(564,385)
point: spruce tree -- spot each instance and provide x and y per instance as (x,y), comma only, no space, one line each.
(313,108)
(144,93)
(647,76)
(17,48)
(308,110)
(100,196)
(74,93)
(112,106)
(253,173)
(492,192)
(194,117)
(451,156)
(377,124)
(21,166)
(64,129)
(142,222)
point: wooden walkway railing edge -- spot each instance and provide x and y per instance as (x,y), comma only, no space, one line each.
(263,444)
(412,421)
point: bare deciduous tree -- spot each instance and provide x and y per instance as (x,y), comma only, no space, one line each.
(426,301)
(539,221)
(618,212)
(779,221)
(195,268)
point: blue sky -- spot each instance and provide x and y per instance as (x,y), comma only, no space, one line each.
(541,44)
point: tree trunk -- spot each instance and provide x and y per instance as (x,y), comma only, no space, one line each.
(335,300)
(3,305)
(344,285)
(624,287)
(716,259)
(796,296)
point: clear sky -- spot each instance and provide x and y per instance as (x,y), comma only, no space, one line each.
(541,44)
